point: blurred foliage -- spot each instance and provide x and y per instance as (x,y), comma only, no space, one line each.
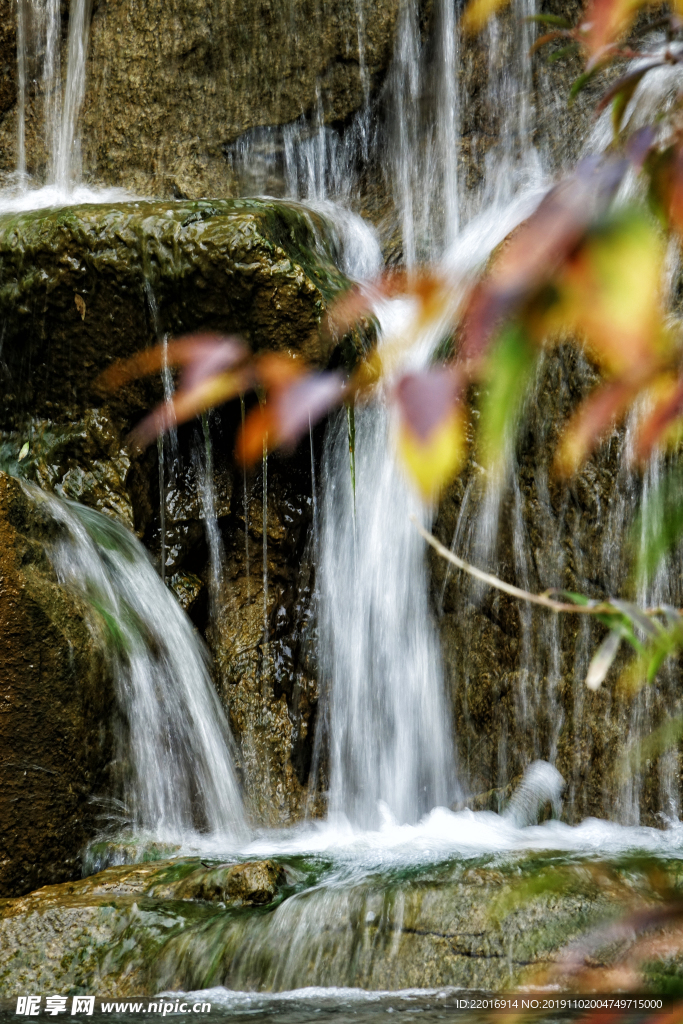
(584,267)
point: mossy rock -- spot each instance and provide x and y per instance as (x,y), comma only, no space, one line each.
(145,928)
(83,286)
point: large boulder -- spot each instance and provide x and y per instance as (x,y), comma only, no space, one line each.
(56,708)
(261,269)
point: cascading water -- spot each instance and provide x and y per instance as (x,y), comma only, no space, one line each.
(55,107)
(387,717)
(389,735)
(175,741)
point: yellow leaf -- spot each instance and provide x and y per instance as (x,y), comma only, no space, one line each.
(478,12)
(610,292)
(433,461)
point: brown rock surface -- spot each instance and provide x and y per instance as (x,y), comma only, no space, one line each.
(55,709)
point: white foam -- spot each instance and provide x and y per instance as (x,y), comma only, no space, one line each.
(20,198)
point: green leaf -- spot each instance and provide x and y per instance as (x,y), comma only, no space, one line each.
(564,51)
(659,526)
(659,741)
(621,624)
(576,598)
(637,617)
(548,19)
(659,166)
(24,451)
(581,82)
(511,367)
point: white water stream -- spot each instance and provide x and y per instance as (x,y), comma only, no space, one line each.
(174,742)
(387,719)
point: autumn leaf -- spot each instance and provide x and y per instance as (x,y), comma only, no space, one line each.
(622,92)
(665,192)
(478,12)
(292,406)
(202,354)
(431,433)
(189,401)
(662,424)
(593,420)
(537,251)
(609,290)
(607,21)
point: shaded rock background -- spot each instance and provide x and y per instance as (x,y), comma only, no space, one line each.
(57,707)
(170,88)
(519,691)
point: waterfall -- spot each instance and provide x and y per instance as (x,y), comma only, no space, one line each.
(388,718)
(67,166)
(174,740)
(56,106)
(388,713)
(390,743)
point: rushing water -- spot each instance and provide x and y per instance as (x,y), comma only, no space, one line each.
(396,771)
(174,738)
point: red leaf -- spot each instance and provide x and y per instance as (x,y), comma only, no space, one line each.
(667,410)
(304,402)
(595,417)
(287,413)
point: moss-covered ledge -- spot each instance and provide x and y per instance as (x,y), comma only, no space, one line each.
(81,286)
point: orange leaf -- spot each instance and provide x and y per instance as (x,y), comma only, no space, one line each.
(187,403)
(594,419)
(258,429)
(607,21)
(204,354)
(667,410)
(536,251)
(288,413)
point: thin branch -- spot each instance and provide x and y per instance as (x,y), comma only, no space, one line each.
(507,588)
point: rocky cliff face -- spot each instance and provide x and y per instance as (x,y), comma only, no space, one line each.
(172,87)
(516,673)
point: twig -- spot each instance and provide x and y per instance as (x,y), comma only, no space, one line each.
(546,602)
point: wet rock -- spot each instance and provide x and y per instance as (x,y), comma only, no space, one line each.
(169,89)
(516,674)
(187,588)
(8,58)
(254,883)
(145,928)
(264,650)
(261,269)
(56,708)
